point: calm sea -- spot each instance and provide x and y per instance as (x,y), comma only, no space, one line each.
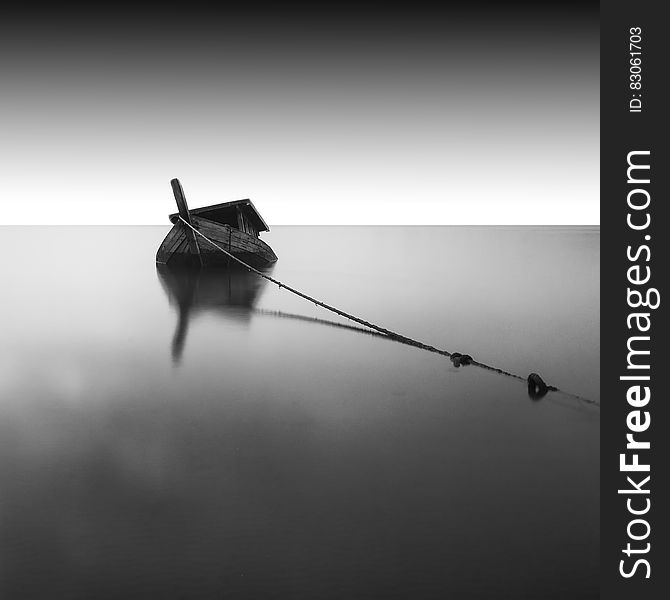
(212,436)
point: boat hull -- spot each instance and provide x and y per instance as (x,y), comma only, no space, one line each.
(244,246)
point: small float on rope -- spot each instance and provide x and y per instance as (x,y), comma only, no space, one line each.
(235,226)
(537,388)
(460,359)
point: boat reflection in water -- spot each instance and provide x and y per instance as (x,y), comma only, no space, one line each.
(231,292)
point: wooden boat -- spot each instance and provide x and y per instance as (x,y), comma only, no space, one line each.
(234,226)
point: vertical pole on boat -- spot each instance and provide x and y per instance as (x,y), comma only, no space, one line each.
(185,214)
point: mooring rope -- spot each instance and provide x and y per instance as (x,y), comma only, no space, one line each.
(457,357)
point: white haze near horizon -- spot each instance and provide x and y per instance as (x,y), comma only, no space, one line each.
(421,131)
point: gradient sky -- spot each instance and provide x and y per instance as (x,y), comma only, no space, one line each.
(319,116)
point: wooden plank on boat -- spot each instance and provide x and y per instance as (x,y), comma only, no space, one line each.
(226,236)
(184,213)
(171,241)
(182,247)
(210,212)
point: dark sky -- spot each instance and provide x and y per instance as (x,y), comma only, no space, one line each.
(328,115)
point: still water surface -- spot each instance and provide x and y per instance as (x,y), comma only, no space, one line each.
(198,437)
